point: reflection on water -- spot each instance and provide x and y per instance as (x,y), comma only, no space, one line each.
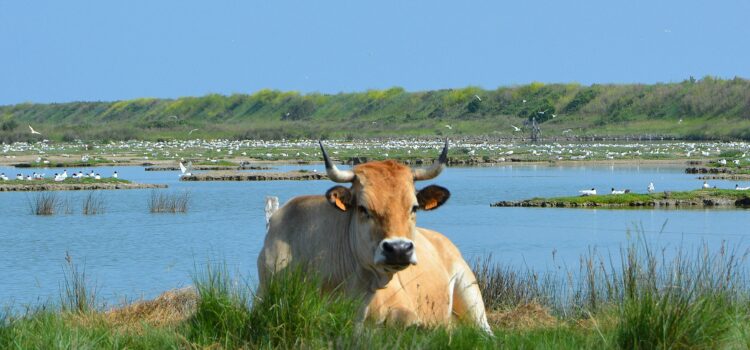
(130,253)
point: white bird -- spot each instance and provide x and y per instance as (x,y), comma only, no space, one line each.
(614,191)
(706,185)
(736,162)
(679,121)
(34,131)
(3,177)
(567,131)
(186,170)
(524,101)
(191,131)
(59,178)
(591,192)
(738,188)
(723,161)
(651,188)
(478,98)
(272,205)
(449,127)
(554,115)
(97,177)
(114,175)
(515,128)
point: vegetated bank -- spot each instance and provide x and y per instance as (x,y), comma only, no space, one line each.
(642,299)
(708,198)
(71,184)
(695,109)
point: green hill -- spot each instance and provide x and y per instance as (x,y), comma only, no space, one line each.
(708,108)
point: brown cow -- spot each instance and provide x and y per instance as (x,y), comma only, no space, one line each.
(364,239)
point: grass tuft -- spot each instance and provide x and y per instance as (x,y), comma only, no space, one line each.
(44,203)
(160,202)
(93,204)
(76,296)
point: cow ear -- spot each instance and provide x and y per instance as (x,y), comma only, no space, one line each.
(340,197)
(432,197)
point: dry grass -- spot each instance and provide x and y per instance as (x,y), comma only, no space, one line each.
(523,317)
(168,309)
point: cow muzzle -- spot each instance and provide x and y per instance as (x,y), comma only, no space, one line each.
(396,254)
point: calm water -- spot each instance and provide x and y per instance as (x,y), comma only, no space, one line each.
(130,253)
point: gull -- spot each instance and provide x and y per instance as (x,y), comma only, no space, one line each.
(706,185)
(542,112)
(614,191)
(34,131)
(736,162)
(186,170)
(515,128)
(738,188)
(651,188)
(272,205)
(114,175)
(524,101)
(723,161)
(191,131)
(449,127)
(478,98)
(554,115)
(591,192)
(567,131)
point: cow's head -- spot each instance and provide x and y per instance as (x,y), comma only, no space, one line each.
(383,203)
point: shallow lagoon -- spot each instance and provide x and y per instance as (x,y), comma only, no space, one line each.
(129,253)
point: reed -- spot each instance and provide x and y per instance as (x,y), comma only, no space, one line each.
(160,202)
(76,295)
(44,203)
(93,203)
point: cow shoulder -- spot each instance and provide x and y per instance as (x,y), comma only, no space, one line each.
(445,250)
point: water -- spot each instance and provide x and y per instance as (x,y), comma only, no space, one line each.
(130,253)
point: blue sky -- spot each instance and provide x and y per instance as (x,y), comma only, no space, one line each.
(60,51)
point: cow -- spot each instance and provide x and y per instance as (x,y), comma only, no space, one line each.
(364,240)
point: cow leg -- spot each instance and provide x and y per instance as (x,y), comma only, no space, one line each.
(467,299)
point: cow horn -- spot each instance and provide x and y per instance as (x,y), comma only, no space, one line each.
(334,173)
(435,169)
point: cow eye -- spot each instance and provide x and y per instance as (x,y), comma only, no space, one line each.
(364,211)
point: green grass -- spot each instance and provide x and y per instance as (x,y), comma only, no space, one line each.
(629,198)
(645,299)
(704,109)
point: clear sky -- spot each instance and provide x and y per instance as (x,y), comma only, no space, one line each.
(60,51)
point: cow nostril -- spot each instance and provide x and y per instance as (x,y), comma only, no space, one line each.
(408,247)
(387,247)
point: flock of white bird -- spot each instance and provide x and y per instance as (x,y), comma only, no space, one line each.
(57,177)
(210,150)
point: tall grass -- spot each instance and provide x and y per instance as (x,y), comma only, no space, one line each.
(93,203)
(44,203)
(160,202)
(76,295)
(661,299)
